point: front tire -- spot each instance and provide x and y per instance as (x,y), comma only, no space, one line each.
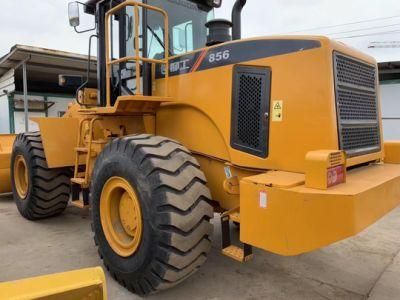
(39,192)
(165,237)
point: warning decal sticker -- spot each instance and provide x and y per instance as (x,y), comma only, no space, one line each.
(277,111)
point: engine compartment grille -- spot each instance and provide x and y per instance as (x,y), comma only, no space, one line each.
(354,72)
(357,106)
(250,105)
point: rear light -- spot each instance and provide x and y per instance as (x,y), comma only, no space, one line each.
(335,175)
(325,168)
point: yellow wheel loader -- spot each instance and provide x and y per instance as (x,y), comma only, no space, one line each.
(281,135)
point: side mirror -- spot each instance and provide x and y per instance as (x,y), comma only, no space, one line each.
(73,14)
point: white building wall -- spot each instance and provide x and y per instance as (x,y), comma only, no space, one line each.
(6,86)
(4,115)
(19,116)
(390,99)
(60,105)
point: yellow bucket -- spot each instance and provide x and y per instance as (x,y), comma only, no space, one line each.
(6,145)
(75,285)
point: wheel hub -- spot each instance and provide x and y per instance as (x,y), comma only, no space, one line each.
(121,218)
(21,177)
(128,214)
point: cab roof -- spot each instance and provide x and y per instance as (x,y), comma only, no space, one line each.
(91,4)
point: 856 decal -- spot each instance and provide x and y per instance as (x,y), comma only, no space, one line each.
(219,56)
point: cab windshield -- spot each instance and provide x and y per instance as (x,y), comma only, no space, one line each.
(186,26)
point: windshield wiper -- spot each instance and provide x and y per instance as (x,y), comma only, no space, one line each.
(159,40)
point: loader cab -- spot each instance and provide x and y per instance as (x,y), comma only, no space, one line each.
(187,32)
(117,40)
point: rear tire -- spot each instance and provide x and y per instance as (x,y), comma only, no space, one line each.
(175,213)
(42,192)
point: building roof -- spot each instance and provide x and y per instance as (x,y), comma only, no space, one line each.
(389,71)
(44,66)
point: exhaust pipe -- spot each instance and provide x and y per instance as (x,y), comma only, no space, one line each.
(237,19)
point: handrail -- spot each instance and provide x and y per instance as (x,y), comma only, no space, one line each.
(137,58)
(128,58)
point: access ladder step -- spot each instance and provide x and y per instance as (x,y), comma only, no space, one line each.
(79,204)
(235,217)
(82,150)
(237,253)
(76,191)
(80,181)
(241,254)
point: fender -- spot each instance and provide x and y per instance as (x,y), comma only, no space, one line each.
(59,137)
(193,128)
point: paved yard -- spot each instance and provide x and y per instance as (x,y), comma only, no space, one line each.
(367,266)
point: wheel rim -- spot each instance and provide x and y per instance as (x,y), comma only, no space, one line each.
(21,177)
(121,216)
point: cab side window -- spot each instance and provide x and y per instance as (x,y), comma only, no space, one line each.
(182,38)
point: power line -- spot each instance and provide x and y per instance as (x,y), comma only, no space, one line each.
(363,29)
(344,24)
(369,34)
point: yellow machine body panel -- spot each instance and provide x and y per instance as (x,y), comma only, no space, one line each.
(392,152)
(6,144)
(303,84)
(287,218)
(74,285)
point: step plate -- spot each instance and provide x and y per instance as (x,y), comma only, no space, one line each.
(236,253)
(79,204)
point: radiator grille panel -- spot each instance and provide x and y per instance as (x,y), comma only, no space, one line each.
(351,71)
(355,138)
(355,105)
(249,104)
(357,108)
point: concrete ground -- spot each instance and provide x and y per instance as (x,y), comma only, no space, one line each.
(366,266)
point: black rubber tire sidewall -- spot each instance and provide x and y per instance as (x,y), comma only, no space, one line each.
(20,148)
(123,166)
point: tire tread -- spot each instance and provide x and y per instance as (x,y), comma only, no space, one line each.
(182,210)
(50,188)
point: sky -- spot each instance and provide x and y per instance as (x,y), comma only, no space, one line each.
(44,23)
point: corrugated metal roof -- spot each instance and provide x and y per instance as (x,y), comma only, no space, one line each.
(392,66)
(389,71)
(44,65)
(42,58)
